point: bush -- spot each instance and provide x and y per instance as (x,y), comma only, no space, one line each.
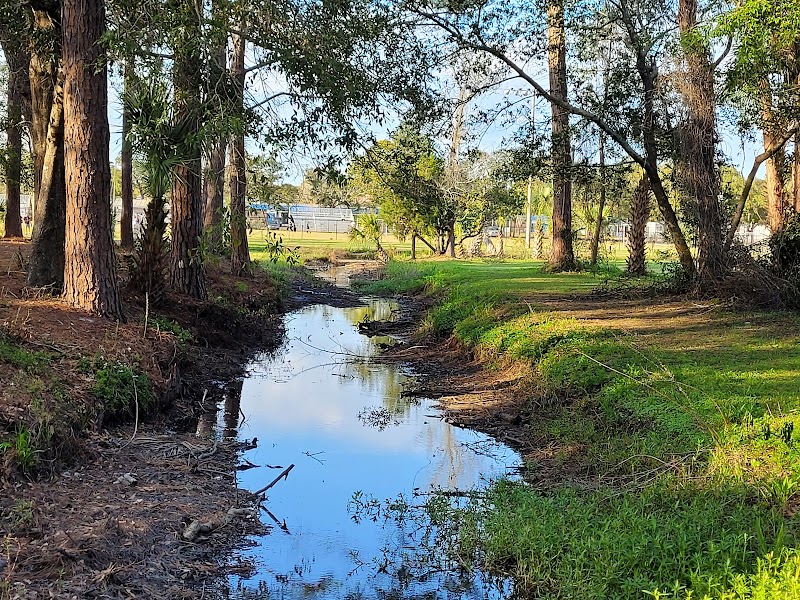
(120,388)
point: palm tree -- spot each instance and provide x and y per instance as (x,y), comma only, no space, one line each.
(369,229)
(161,143)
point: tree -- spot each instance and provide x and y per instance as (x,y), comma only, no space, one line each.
(46,267)
(762,84)
(240,254)
(403,175)
(562,257)
(18,110)
(161,142)
(214,172)
(187,274)
(90,280)
(639,32)
(697,160)
(126,163)
(640,213)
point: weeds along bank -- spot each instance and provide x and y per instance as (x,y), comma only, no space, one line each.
(659,436)
(100,467)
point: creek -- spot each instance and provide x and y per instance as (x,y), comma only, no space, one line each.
(321,404)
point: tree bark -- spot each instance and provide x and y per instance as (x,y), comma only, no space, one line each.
(562,257)
(90,277)
(47,249)
(796,173)
(126,160)
(413,246)
(214,172)
(18,83)
(187,274)
(640,212)
(240,253)
(47,138)
(776,194)
(698,169)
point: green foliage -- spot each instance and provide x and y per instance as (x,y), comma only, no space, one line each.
(21,449)
(785,248)
(120,388)
(28,360)
(693,426)
(184,336)
(665,540)
(368,228)
(275,250)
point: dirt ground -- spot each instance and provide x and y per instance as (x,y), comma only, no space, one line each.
(102,511)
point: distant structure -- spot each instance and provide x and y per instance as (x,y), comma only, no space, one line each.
(304,217)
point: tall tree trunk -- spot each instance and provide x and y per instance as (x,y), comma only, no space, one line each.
(214,171)
(47,137)
(90,277)
(598,226)
(698,168)
(240,253)
(413,246)
(186,264)
(562,257)
(640,213)
(647,74)
(796,173)
(776,194)
(18,64)
(126,160)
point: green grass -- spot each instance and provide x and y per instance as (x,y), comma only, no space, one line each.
(684,426)
(28,360)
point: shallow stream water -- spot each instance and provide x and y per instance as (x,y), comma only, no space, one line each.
(319,403)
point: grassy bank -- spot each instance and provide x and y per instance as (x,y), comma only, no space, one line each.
(670,423)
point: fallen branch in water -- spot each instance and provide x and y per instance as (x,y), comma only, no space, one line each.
(284,475)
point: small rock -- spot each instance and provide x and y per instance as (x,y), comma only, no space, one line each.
(126,479)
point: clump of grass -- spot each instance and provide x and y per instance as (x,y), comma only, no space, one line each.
(19,450)
(119,387)
(184,336)
(21,358)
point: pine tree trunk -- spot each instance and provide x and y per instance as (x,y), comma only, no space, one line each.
(186,264)
(240,253)
(640,213)
(47,139)
(698,168)
(214,171)
(90,278)
(126,160)
(17,81)
(562,257)
(213,194)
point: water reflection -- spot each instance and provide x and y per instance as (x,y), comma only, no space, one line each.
(303,404)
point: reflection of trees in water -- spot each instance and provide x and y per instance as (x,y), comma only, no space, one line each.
(233,401)
(376,310)
(408,583)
